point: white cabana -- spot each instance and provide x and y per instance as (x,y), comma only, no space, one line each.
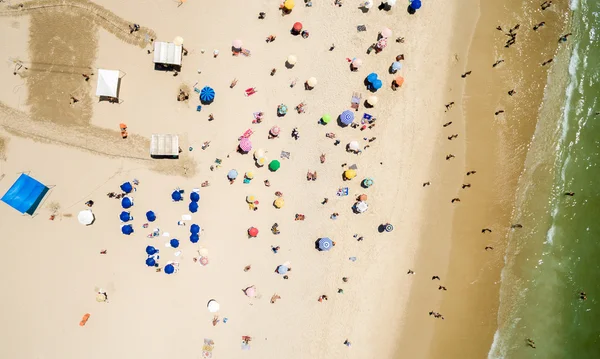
(164,146)
(167,53)
(108,83)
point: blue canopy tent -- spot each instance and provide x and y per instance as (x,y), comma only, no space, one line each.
(194,196)
(126,187)
(127,229)
(207,95)
(25,195)
(193,207)
(194,238)
(176,196)
(150,216)
(125,217)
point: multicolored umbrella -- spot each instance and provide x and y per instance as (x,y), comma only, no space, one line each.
(275,131)
(382,43)
(282,109)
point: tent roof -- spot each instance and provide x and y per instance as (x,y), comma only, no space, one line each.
(164,145)
(25,194)
(167,53)
(108,83)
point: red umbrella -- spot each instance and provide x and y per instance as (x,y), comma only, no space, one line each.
(297,27)
(253,231)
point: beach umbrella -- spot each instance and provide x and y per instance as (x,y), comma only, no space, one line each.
(311,82)
(178,40)
(125,216)
(150,250)
(354,146)
(325,244)
(203,252)
(259,153)
(282,269)
(367,182)
(386,32)
(356,63)
(396,65)
(169,269)
(372,77)
(250,291)
(194,196)
(275,131)
(174,243)
(207,94)
(368,4)
(176,196)
(194,228)
(372,100)
(350,174)
(297,27)
(326,118)
(245,145)
(126,187)
(249,175)
(382,43)
(250,199)
(376,85)
(274,165)
(127,229)
(399,80)
(203,260)
(150,216)
(415,4)
(361,206)
(292,60)
(261,161)
(150,262)
(389,227)
(213,306)
(232,174)
(347,117)
(194,237)
(253,231)
(193,207)
(86,217)
(279,202)
(237,44)
(390,2)
(126,202)
(282,109)
(362,197)
(289,4)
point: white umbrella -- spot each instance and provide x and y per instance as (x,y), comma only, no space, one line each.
(237,44)
(372,100)
(86,217)
(356,63)
(368,4)
(312,82)
(213,306)
(390,2)
(292,60)
(386,32)
(259,153)
(362,206)
(178,40)
(354,146)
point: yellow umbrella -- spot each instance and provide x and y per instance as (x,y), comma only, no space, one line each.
(249,175)
(261,161)
(100,297)
(350,174)
(279,202)
(289,4)
(250,199)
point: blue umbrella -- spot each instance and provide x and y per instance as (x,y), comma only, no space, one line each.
(194,196)
(194,238)
(174,243)
(347,117)
(176,196)
(150,250)
(232,174)
(127,229)
(169,269)
(194,228)
(415,4)
(150,216)
(126,202)
(193,207)
(377,84)
(396,65)
(207,94)
(126,187)
(282,269)
(372,77)
(125,216)
(325,244)
(150,262)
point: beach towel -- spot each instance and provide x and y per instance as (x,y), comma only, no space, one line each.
(342,191)
(207,348)
(361,28)
(285,154)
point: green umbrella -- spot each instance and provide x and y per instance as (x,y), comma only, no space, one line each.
(274,165)
(326,118)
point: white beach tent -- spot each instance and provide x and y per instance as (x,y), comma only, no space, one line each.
(108,83)
(167,53)
(164,146)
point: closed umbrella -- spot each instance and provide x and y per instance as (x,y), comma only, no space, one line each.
(386,32)
(232,174)
(194,237)
(194,228)
(194,196)
(356,63)
(372,100)
(86,217)
(207,94)
(275,131)
(126,202)
(354,146)
(274,165)
(297,27)
(125,217)
(126,187)
(282,269)
(325,244)
(326,118)
(253,231)
(176,196)
(396,65)
(350,174)
(292,60)
(245,145)
(178,40)
(237,44)
(193,207)
(361,206)
(259,153)
(279,202)
(311,82)
(372,77)
(347,117)
(174,243)
(213,306)
(169,269)
(150,216)
(150,250)
(150,262)
(127,229)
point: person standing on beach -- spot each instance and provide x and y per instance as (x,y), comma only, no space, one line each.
(570,194)
(449,157)
(498,112)
(486,230)
(471,173)
(455,199)
(546,4)
(512,92)
(435,277)
(466,74)
(530,343)
(539,25)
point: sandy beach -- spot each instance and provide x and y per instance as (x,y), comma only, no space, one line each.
(56,266)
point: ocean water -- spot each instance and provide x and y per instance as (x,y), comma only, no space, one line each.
(556,255)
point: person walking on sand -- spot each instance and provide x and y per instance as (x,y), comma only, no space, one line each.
(426,183)
(471,173)
(546,4)
(530,343)
(512,92)
(486,230)
(447,124)
(498,112)
(449,105)
(497,63)
(456,199)
(452,137)
(441,287)
(489,247)
(570,194)
(449,157)
(536,27)
(467,185)
(517,225)
(564,37)
(547,62)
(435,277)
(466,74)
(410,271)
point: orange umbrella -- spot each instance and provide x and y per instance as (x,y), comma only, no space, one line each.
(123,126)
(399,80)
(362,197)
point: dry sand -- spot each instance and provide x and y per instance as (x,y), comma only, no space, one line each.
(58,265)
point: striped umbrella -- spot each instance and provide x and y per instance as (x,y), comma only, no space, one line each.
(347,117)
(275,131)
(207,94)
(382,43)
(245,145)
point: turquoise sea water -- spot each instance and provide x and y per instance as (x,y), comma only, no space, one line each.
(556,254)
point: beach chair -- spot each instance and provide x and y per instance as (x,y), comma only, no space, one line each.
(246,52)
(246,134)
(355,103)
(300,107)
(250,91)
